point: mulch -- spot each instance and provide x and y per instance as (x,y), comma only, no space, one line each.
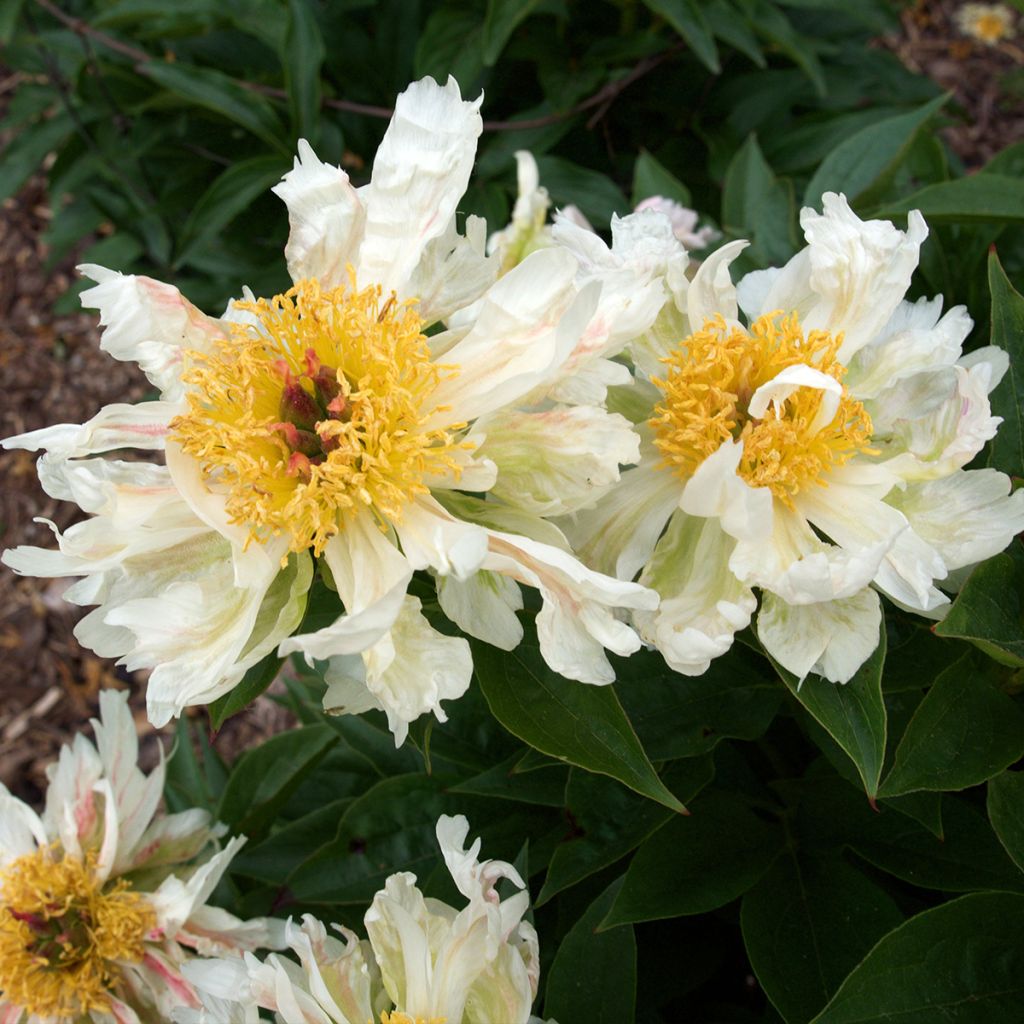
(52,371)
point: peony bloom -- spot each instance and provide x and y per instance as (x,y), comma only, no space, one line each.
(987,23)
(683,221)
(102,900)
(814,452)
(325,425)
(424,961)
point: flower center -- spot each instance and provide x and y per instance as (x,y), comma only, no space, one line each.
(62,934)
(397,1017)
(319,408)
(713,376)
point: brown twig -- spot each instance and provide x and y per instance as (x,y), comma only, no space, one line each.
(603,98)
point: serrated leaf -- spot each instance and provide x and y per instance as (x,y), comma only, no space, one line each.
(867,160)
(206,87)
(1006,812)
(302,60)
(593,976)
(1006,450)
(697,863)
(961,962)
(964,731)
(579,724)
(264,778)
(852,713)
(686,17)
(806,924)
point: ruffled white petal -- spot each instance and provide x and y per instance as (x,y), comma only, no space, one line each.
(703,605)
(484,606)
(325,218)
(433,538)
(419,175)
(143,426)
(21,829)
(149,323)
(833,638)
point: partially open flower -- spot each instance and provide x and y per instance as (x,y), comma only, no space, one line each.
(331,422)
(814,452)
(425,962)
(103,899)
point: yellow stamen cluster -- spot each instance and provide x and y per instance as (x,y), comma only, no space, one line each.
(397,1017)
(710,381)
(321,408)
(63,934)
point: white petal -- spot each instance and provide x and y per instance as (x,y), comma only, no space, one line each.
(833,638)
(527,325)
(484,606)
(860,270)
(325,218)
(703,605)
(433,538)
(712,293)
(967,517)
(775,392)
(560,460)
(366,564)
(149,323)
(143,426)
(577,618)
(618,536)
(21,829)
(716,491)
(419,175)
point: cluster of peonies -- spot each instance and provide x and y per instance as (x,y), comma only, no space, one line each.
(423,399)
(104,918)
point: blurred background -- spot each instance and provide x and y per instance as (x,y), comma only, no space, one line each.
(145,136)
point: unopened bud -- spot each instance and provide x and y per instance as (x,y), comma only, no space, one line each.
(298,407)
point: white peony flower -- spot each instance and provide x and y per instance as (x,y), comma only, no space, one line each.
(425,962)
(324,424)
(683,220)
(102,899)
(815,453)
(988,23)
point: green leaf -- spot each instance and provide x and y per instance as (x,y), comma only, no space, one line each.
(867,161)
(191,780)
(264,777)
(593,976)
(579,724)
(962,962)
(770,23)
(1006,449)
(205,87)
(451,43)
(499,23)
(253,683)
(686,17)
(988,610)
(807,924)
(651,178)
(594,193)
(302,60)
(964,731)
(696,863)
(756,205)
(609,821)
(229,195)
(9,12)
(852,713)
(977,198)
(545,786)
(685,716)
(1006,812)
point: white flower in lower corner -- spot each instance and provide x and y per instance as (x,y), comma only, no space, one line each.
(102,899)
(425,962)
(321,424)
(814,453)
